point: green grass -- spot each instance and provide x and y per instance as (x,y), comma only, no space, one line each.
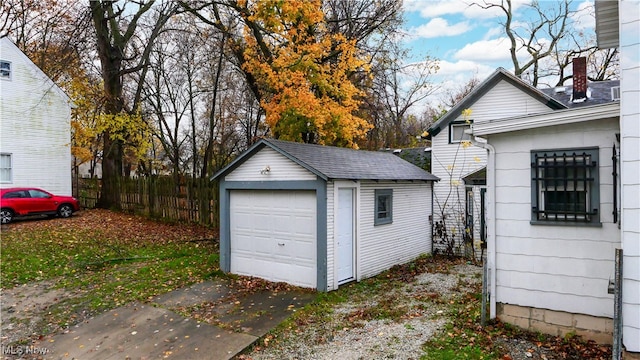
(462,337)
(100,271)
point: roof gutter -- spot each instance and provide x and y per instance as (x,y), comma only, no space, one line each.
(558,117)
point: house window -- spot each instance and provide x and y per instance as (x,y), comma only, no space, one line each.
(564,186)
(5,70)
(6,172)
(384,207)
(457,131)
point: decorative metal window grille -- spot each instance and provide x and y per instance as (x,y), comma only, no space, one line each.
(565,185)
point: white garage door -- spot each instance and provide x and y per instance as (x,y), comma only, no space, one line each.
(273,235)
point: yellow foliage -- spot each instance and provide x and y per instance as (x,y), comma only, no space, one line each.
(466,115)
(131,129)
(303,91)
(85,96)
(89,122)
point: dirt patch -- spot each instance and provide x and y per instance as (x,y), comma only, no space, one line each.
(22,309)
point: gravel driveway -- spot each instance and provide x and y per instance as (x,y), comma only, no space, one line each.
(422,307)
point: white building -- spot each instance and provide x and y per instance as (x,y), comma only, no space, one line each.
(459,196)
(618,25)
(320,216)
(35,133)
(553,223)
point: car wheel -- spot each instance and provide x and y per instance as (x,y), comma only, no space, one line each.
(65,211)
(6,216)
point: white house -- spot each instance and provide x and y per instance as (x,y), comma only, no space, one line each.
(618,25)
(35,133)
(553,219)
(564,193)
(459,197)
(319,216)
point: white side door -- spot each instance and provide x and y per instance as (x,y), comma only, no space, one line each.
(345,230)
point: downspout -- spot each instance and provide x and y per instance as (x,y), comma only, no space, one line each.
(431,221)
(491,221)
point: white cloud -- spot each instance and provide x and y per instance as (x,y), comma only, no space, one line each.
(439,27)
(463,68)
(477,12)
(493,32)
(471,9)
(584,17)
(430,9)
(483,50)
(495,51)
(453,75)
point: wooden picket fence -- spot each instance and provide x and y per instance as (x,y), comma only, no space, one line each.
(189,200)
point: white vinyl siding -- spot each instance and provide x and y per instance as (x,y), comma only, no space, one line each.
(630,169)
(504,101)
(35,126)
(381,247)
(451,162)
(553,267)
(280,168)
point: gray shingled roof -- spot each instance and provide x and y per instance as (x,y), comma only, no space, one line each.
(330,162)
(599,93)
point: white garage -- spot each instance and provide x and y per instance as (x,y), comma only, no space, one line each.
(319,216)
(273,235)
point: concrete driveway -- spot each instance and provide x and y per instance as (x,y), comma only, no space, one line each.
(156,331)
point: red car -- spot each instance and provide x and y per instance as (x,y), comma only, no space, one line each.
(16,202)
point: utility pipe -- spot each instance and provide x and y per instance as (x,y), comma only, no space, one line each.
(491,221)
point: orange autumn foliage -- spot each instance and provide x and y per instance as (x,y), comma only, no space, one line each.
(303,72)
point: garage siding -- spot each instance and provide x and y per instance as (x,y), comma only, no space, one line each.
(408,236)
(281,168)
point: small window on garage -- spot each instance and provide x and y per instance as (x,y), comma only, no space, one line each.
(6,172)
(384,206)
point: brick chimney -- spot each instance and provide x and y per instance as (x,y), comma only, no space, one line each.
(579,79)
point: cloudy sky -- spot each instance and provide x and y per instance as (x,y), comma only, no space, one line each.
(469,40)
